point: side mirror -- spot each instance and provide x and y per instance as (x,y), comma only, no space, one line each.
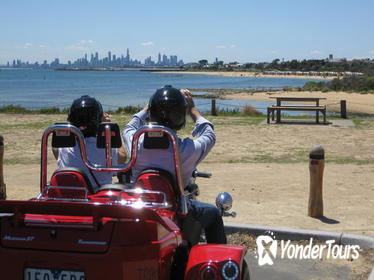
(224,202)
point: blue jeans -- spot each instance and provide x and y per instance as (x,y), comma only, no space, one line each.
(210,219)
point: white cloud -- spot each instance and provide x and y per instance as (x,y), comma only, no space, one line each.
(86,41)
(147,44)
(274,52)
(232,46)
(316,52)
(76,48)
(41,46)
(220,47)
(371,52)
(27,45)
(82,45)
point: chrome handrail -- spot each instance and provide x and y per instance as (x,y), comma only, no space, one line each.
(145,203)
(109,168)
(43,194)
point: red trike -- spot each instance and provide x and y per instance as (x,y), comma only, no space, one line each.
(122,231)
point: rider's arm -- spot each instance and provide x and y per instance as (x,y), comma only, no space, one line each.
(138,120)
(122,155)
(203,132)
(205,138)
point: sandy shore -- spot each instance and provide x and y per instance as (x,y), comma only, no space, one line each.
(247,74)
(356,102)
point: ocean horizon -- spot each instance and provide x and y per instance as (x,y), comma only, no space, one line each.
(35,89)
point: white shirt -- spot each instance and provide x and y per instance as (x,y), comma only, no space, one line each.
(71,157)
(192,151)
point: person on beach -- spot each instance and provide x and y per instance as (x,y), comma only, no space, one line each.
(168,106)
(86,113)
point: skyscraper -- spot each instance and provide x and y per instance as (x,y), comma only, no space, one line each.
(128,56)
(110,56)
(165,60)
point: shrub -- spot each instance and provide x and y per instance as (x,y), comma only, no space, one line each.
(52,110)
(354,83)
(250,110)
(14,109)
(128,110)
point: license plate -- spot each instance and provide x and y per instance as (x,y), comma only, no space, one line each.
(52,274)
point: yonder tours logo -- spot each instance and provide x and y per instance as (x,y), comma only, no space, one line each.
(268,250)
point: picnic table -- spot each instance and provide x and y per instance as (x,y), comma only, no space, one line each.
(279,107)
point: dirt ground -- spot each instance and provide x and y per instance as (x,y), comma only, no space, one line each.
(264,167)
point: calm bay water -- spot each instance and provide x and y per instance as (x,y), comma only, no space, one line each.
(46,88)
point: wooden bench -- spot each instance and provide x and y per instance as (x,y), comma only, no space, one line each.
(279,109)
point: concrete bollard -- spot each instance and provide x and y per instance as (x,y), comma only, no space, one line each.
(316,167)
(2,184)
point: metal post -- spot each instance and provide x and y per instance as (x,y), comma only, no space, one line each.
(214,111)
(2,184)
(343,109)
(316,167)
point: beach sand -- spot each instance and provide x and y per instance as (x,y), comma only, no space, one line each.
(356,102)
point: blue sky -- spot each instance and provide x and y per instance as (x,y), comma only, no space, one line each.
(236,30)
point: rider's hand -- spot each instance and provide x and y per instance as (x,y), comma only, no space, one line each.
(192,110)
(106,117)
(189,99)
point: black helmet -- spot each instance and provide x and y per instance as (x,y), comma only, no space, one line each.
(86,113)
(168,107)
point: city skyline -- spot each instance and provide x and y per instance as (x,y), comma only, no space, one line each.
(243,30)
(111,60)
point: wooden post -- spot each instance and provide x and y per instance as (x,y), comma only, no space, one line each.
(214,111)
(2,184)
(316,167)
(343,109)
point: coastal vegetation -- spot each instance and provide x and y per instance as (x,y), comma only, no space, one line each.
(126,110)
(16,109)
(349,84)
(365,66)
(356,65)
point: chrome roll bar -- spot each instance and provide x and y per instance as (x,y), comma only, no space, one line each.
(118,168)
(108,145)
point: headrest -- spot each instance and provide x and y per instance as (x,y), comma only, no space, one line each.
(63,139)
(156,140)
(115,138)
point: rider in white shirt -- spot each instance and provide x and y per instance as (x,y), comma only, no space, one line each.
(168,106)
(86,113)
